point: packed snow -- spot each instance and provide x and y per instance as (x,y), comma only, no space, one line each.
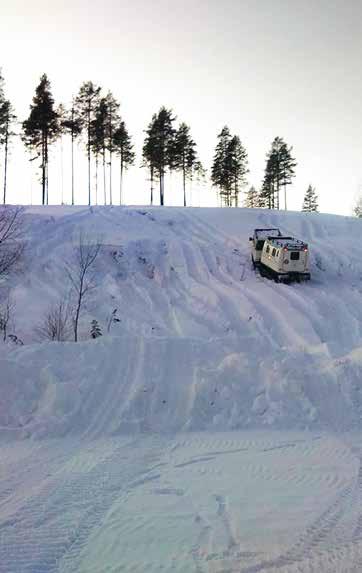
(215,428)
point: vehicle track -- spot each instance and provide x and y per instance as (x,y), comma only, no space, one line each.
(49,531)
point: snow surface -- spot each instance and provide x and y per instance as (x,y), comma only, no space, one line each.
(216,429)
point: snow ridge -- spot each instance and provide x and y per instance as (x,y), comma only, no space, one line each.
(203,342)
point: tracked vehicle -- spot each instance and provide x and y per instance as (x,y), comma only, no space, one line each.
(282,258)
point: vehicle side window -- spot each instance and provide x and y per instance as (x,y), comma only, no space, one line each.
(259,245)
(273,252)
(294,256)
(267,250)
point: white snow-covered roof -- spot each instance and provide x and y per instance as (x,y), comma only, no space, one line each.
(265,233)
(288,242)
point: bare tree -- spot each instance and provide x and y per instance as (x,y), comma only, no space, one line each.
(11,243)
(112,319)
(80,272)
(6,310)
(56,323)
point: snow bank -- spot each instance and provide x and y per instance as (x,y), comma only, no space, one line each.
(203,342)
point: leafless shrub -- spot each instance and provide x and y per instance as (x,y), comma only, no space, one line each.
(6,311)
(15,340)
(56,324)
(81,273)
(113,318)
(11,238)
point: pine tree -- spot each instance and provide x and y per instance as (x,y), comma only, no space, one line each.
(287,165)
(158,148)
(264,196)
(149,162)
(41,129)
(219,174)
(111,123)
(185,156)
(236,165)
(71,123)
(251,200)
(357,210)
(98,140)
(310,203)
(85,105)
(95,329)
(279,172)
(7,120)
(275,170)
(267,193)
(2,94)
(123,148)
(61,113)
(229,167)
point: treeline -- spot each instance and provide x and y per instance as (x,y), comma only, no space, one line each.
(256,200)
(93,118)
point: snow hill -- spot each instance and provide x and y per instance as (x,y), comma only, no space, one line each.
(204,342)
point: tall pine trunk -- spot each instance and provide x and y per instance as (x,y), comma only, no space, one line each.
(285,197)
(43,167)
(89,155)
(271,196)
(46,169)
(6,158)
(72,169)
(96,178)
(110,180)
(62,169)
(104,176)
(278,194)
(72,138)
(151,172)
(121,182)
(184,182)
(184,178)
(285,193)
(161,187)
(110,163)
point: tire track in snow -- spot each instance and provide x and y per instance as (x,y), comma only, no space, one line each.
(110,402)
(48,533)
(326,532)
(230,291)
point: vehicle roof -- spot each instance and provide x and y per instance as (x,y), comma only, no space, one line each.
(265,233)
(289,243)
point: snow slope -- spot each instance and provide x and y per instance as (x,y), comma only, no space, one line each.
(239,502)
(216,429)
(203,342)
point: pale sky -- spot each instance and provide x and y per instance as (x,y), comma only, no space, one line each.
(265,68)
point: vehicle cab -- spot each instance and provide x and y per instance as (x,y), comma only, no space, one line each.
(257,242)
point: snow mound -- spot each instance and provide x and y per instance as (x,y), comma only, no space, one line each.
(203,343)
